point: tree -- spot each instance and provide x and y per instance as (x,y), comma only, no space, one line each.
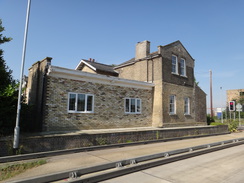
(9,97)
(5,72)
(7,90)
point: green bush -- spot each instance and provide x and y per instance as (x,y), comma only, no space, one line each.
(209,119)
(216,123)
(8,110)
(232,126)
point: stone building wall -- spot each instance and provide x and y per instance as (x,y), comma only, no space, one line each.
(108,106)
(35,81)
(158,71)
(36,90)
(179,51)
(234,94)
(200,105)
(87,69)
(133,72)
(180,93)
(149,70)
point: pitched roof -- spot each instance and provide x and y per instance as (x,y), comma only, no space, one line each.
(153,54)
(175,43)
(133,60)
(97,67)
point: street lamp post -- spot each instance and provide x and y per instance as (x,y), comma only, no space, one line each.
(17,128)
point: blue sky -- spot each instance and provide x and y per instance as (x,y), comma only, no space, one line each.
(108,30)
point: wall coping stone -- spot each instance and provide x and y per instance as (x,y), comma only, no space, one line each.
(110,131)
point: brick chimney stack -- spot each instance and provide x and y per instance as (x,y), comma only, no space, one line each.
(142,49)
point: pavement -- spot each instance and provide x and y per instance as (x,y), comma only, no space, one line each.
(225,166)
(92,158)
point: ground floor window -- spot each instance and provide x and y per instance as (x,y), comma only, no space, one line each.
(186,106)
(172,106)
(80,103)
(133,105)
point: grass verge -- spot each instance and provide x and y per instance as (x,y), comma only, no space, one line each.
(8,171)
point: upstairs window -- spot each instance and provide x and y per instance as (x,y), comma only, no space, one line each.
(186,106)
(174,65)
(132,105)
(80,103)
(172,104)
(182,67)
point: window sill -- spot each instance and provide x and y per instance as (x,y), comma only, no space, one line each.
(133,113)
(183,76)
(172,114)
(79,112)
(177,74)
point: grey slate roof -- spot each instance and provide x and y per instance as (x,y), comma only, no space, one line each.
(99,67)
(132,61)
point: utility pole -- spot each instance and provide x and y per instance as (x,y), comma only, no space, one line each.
(17,129)
(222,118)
(211,96)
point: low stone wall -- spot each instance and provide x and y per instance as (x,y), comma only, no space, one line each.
(68,141)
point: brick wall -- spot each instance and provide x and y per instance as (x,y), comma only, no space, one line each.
(87,69)
(158,71)
(200,105)
(180,93)
(180,52)
(108,106)
(234,94)
(36,89)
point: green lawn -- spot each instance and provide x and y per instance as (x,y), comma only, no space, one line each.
(10,170)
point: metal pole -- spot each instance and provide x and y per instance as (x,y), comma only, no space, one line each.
(17,128)
(222,118)
(239,118)
(226,115)
(211,97)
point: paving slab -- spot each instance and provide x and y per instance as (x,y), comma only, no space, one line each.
(225,166)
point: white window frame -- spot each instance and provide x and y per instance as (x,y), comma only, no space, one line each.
(137,110)
(76,103)
(187,106)
(183,68)
(174,65)
(172,105)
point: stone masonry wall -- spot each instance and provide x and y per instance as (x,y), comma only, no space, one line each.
(180,52)
(200,100)
(108,106)
(180,92)
(87,69)
(234,94)
(71,141)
